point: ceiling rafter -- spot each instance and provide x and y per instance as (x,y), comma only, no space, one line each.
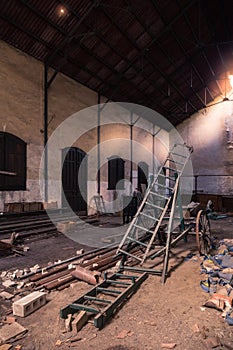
(192,65)
(202,51)
(168,56)
(138,49)
(45,43)
(169,81)
(119,74)
(83,47)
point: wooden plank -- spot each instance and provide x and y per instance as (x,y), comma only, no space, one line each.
(2,172)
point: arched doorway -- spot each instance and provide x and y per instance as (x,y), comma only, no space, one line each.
(142,176)
(74,179)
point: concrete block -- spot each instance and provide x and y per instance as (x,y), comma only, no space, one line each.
(65,227)
(50,205)
(29,304)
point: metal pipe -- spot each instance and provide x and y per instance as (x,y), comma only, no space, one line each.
(55,284)
(95,251)
(53,277)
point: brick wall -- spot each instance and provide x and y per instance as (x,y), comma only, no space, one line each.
(22,114)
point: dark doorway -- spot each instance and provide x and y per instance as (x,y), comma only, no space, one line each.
(142,175)
(116,173)
(13,155)
(74,180)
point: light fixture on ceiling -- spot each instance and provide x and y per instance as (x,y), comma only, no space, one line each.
(62,11)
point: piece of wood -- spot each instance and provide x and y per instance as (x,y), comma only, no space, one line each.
(68,322)
(5,347)
(6,295)
(11,331)
(5,248)
(2,172)
(168,345)
(79,321)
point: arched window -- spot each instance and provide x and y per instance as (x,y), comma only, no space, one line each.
(12,162)
(116,173)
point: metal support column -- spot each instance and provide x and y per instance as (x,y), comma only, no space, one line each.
(131,151)
(153,154)
(98,145)
(153,148)
(45,132)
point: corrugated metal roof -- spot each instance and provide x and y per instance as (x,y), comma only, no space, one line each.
(169,55)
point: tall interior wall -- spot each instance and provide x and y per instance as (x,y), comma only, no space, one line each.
(22,114)
(210,132)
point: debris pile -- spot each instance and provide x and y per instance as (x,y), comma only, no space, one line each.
(23,291)
(9,245)
(219,279)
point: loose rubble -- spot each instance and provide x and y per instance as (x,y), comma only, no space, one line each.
(218,282)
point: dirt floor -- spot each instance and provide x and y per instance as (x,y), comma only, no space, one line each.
(170,313)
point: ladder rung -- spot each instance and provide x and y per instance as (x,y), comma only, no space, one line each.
(118,282)
(136,241)
(174,161)
(144,228)
(175,170)
(127,277)
(108,291)
(83,307)
(88,297)
(157,194)
(148,216)
(166,187)
(132,256)
(154,206)
(179,155)
(174,219)
(167,177)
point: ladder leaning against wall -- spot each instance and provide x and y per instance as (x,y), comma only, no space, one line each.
(161,195)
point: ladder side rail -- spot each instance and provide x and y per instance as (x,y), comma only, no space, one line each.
(147,193)
(155,181)
(173,196)
(103,204)
(168,242)
(156,229)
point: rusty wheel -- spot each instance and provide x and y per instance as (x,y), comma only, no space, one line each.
(203,234)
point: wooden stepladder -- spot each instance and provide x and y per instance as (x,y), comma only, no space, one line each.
(160,196)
